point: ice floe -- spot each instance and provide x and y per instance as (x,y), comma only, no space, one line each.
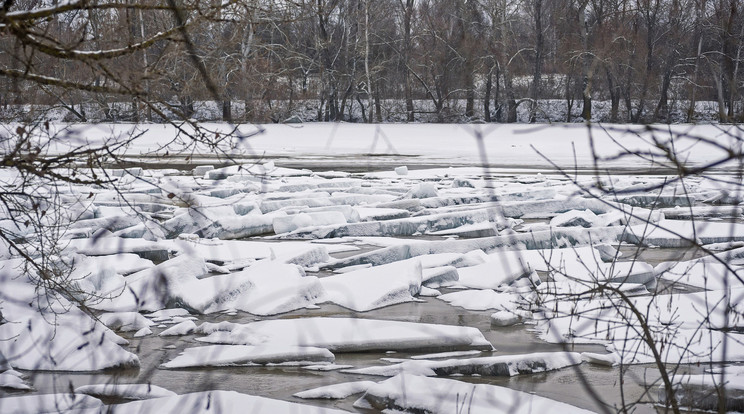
(124,391)
(496,366)
(347,334)
(438,395)
(248,355)
(336,391)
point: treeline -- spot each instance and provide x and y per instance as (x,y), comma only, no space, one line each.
(442,60)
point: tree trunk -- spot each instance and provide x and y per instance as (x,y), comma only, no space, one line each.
(614,98)
(407,14)
(487,98)
(586,84)
(227,110)
(539,45)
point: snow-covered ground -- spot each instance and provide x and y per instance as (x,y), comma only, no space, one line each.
(321,283)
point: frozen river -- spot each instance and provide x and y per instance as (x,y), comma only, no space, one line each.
(521,271)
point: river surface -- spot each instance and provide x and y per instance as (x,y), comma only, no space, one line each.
(587,386)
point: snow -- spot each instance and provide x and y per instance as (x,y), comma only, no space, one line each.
(157,287)
(161,244)
(125,391)
(125,321)
(348,334)
(13,380)
(481,300)
(505,365)
(267,288)
(302,220)
(692,322)
(182,328)
(436,395)
(246,355)
(702,274)
(223,402)
(441,355)
(336,391)
(50,403)
(75,342)
(375,287)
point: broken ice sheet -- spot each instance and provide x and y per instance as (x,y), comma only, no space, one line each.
(75,343)
(690,323)
(347,334)
(51,403)
(124,391)
(336,391)
(702,273)
(247,355)
(375,287)
(478,300)
(223,402)
(446,396)
(499,366)
(266,288)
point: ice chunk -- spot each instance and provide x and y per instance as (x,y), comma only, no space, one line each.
(446,396)
(483,229)
(442,355)
(125,391)
(702,274)
(702,391)
(403,227)
(201,170)
(493,274)
(74,343)
(50,403)
(125,321)
(160,286)
(326,367)
(267,288)
(351,335)
(223,402)
(680,319)
(375,287)
(481,300)
(497,366)
(165,314)
(558,237)
(142,332)
(609,360)
(439,276)
(508,317)
(376,213)
(244,355)
(336,391)
(402,170)
(105,246)
(575,218)
(182,328)
(290,223)
(423,190)
(242,253)
(679,233)
(13,380)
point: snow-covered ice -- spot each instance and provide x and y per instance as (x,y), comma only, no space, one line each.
(125,391)
(438,395)
(336,391)
(347,334)
(247,355)
(498,366)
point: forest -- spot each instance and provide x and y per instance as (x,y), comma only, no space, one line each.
(635,61)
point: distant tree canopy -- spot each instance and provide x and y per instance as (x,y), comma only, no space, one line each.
(264,57)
